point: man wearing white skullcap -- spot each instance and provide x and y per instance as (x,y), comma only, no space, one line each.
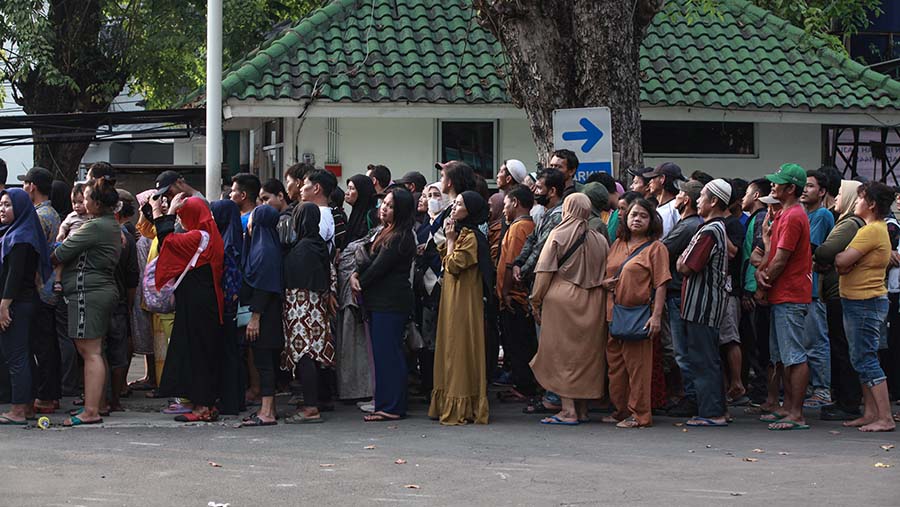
(512,172)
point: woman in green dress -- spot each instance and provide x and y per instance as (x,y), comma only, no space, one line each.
(89,257)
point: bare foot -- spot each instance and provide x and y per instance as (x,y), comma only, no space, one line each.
(608,419)
(859,422)
(879,425)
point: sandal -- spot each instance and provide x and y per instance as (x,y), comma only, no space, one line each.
(381,417)
(208,416)
(79,411)
(629,423)
(703,422)
(511,396)
(177,408)
(538,407)
(554,420)
(76,421)
(141,385)
(6,421)
(787,426)
(301,418)
(254,420)
(771,418)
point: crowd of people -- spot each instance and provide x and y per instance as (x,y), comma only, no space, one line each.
(682,296)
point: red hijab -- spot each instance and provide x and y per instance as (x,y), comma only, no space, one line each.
(179,248)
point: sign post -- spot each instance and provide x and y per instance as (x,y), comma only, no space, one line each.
(588,133)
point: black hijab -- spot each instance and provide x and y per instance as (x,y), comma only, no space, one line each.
(478,213)
(357,225)
(61,198)
(307,265)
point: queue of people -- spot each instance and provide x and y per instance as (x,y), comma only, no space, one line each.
(682,297)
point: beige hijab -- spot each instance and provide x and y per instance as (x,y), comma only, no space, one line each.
(848,196)
(586,267)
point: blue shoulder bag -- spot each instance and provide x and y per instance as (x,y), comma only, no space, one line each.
(629,323)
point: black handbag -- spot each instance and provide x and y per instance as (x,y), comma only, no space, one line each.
(629,323)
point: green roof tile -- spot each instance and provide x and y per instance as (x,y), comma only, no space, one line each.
(433,51)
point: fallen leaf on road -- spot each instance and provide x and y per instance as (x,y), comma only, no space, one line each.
(883,465)
(708,446)
(783,453)
(887,447)
(759,451)
(691,451)
(678,424)
(834,432)
(684,430)
(412,486)
(369,447)
(751,460)
(214,464)
(400,461)
(326,465)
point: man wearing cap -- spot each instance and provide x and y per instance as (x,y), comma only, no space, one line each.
(44,346)
(755,319)
(413,181)
(784,280)
(566,162)
(640,183)
(170,184)
(664,186)
(676,242)
(511,173)
(704,264)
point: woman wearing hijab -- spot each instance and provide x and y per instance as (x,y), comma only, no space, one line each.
(361,197)
(228,222)
(89,257)
(460,385)
(306,310)
(262,292)
(23,255)
(388,296)
(599,198)
(194,352)
(571,356)
(846,392)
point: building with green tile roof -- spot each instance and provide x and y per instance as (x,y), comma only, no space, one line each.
(408,82)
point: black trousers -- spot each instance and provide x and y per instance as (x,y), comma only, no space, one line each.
(266,362)
(491,338)
(14,344)
(232,374)
(845,389)
(45,350)
(890,358)
(520,340)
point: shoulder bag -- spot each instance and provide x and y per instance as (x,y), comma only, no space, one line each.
(629,323)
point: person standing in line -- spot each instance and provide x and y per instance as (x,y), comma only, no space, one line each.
(90,256)
(676,242)
(599,197)
(821,222)
(637,272)
(24,259)
(729,334)
(460,377)
(704,265)
(388,297)
(664,182)
(511,173)
(317,187)
(262,289)
(566,162)
(640,183)
(245,189)
(864,300)
(783,280)
(571,355)
(361,197)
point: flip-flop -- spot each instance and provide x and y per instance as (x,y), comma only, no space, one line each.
(771,417)
(6,421)
(555,420)
(540,408)
(176,409)
(141,386)
(792,425)
(299,418)
(704,422)
(79,411)
(375,417)
(254,420)
(76,421)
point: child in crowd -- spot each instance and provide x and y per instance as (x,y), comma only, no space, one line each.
(70,224)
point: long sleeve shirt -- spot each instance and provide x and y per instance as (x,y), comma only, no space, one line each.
(534,243)
(18,275)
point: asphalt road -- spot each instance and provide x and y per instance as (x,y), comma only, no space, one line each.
(143,458)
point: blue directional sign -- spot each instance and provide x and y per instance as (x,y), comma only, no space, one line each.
(588,133)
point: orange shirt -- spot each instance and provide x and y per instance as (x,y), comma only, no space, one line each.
(510,249)
(641,276)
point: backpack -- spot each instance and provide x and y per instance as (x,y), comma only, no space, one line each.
(163,300)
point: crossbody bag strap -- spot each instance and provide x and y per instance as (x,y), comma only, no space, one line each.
(632,256)
(572,249)
(204,240)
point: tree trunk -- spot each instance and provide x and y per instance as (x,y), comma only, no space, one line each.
(574,53)
(91,61)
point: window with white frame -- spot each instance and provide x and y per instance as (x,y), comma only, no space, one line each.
(473,142)
(273,149)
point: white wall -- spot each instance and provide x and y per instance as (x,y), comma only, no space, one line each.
(777,143)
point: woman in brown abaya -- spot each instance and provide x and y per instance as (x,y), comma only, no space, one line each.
(569,303)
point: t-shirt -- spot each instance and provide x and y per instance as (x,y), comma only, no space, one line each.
(676,241)
(613,225)
(670,216)
(790,231)
(751,239)
(866,279)
(512,244)
(821,222)
(703,294)
(326,225)
(641,276)
(245,219)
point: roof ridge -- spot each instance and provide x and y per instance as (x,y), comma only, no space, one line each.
(860,71)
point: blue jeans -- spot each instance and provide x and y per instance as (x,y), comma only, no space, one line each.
(820,346)
(679,335)
(705,366)
(863,322)
(787,340)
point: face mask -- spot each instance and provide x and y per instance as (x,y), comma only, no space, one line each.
(434,206)
(543,200)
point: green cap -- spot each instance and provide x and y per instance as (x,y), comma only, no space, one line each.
(789,174)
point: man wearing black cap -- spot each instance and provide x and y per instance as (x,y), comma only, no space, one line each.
(44,346)
(664,187)
(170,184)
(414,181)
(640,183)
